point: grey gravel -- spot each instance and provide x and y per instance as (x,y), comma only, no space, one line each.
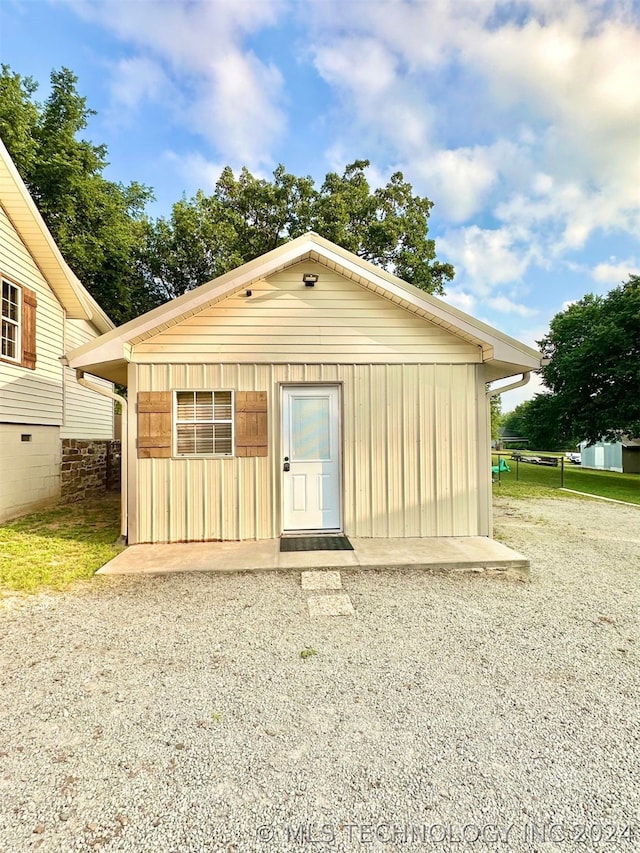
(176,713)
(330,604)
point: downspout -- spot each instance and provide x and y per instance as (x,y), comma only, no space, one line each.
(525,378)
(123,454)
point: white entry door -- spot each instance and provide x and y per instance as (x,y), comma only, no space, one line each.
(311,457)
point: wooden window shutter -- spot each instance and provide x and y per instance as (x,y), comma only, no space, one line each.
(252,434)
(154,424)
(28,330)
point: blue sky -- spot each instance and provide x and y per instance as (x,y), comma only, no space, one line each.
(519,120)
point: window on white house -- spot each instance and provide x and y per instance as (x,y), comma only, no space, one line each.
(10,321)
(204,423)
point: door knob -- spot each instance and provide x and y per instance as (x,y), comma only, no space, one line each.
(286,467)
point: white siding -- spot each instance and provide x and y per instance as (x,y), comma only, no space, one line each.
(284,321)
(410,455)
(29,470)
(86,413)
(32,396)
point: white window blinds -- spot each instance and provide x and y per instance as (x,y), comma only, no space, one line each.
(204,423)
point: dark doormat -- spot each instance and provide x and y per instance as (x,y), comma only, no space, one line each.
(315,543)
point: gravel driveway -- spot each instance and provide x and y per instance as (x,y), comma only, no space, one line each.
(452,713)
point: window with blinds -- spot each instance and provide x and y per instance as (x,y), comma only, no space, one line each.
(204,423)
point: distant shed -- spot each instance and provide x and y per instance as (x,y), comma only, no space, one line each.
(622,456)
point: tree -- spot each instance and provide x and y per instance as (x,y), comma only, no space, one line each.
(98,224)
(245,217)
(594,367)
(18,119)
(388,227)
(495,404)
(538,421)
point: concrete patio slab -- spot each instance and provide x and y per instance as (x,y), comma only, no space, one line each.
(330,605)
(195,557)
(463,554)
(321,580)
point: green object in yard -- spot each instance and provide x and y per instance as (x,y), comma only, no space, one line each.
(502,466)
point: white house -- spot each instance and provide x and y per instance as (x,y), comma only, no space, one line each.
(45,312)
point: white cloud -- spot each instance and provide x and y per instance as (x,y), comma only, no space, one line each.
(137,79)
(239,111)
(373,90)
(485,257)
(615,272)
(460,299)
(231,97)
(508,306)
(548,89)
(460,179)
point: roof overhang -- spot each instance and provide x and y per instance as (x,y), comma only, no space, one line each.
(503,355)
(28,222)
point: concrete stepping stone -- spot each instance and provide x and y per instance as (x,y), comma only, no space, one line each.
(321,580)
(338,604)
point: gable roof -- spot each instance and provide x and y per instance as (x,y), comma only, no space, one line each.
(30,226)
(505,354)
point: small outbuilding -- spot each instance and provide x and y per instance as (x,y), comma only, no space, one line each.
(622,456)
(307,390)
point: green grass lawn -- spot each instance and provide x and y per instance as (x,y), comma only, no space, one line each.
(53,548)
(607,484)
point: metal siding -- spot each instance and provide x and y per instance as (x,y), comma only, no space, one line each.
(410,455)
(603,456)
(613,456)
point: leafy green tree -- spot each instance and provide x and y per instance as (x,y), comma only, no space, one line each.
(539,420)
(98,224)
(495,404)
(388,227)
(18,119)
(246,216)
(594,367)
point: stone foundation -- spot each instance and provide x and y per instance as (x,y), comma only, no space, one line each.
(89,468)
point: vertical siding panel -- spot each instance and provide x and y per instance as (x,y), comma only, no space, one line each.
(431,438)
(362,441)
(352,426)
(393,439)
(380,517)
(349,509)
(471,483)
(272,510)
(458,458)
(411,449)
(420,437)
(205,526)
(437,451)
(410,455)
(446,450)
